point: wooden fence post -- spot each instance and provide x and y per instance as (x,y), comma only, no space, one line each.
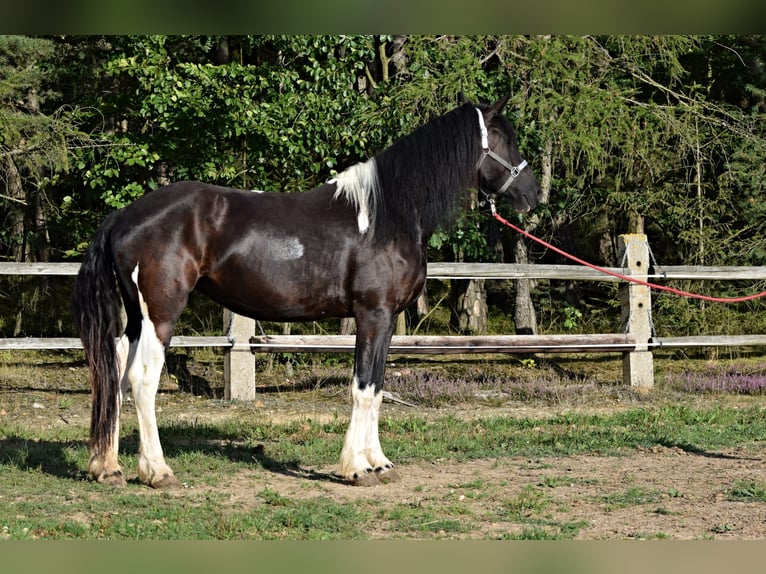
(239,362)
(638,365)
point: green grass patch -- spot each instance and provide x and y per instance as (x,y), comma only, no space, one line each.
(44,492)
(531,500)
(551,531)
(747,491)
(633,496)
(673,426)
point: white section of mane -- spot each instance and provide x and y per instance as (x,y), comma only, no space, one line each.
(359,186)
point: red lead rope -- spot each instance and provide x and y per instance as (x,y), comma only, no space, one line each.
(624,277)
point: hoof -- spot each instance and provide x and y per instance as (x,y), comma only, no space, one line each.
(367,479)
(112,479)
(386,475)
(167,482)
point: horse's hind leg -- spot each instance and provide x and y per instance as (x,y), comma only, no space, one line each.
(105,467)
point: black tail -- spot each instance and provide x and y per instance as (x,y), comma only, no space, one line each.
(96,307)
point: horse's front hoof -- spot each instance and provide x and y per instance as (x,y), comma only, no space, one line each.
(167,482)
(386,475)
(367,479)
(114,478)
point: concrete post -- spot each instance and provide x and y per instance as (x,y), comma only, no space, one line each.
(239,362)
(638,365)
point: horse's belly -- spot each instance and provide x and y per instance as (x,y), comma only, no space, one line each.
(277,297)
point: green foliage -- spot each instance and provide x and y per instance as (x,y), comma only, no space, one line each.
(278,115)
(38,136)
(660,131)
(466,241)
(572,317)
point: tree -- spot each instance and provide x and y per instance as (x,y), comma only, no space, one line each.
(273,113)
(623,130)
(37,135)
(626,133)
(33,145)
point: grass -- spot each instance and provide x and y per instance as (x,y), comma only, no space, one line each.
(633,496)
(230,456)
(748,491)
(131,515)
(45,494)
(693,430)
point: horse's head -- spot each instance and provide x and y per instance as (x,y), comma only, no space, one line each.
(503,171)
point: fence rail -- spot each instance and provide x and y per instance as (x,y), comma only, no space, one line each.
(440,270)
(419,345)
(636,343)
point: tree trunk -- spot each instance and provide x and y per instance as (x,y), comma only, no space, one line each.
(422,304)
(470,314)
(42,242)
(15,192)
(221,55)
(525,316)
(162,173)
(469,308)
(378,70)
(401,324)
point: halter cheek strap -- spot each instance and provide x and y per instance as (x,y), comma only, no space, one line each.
(514,170)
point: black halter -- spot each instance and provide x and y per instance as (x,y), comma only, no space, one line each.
(514,170)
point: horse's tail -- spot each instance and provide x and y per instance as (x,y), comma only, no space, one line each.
(96,307)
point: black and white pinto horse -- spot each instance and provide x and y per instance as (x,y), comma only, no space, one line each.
(353,247)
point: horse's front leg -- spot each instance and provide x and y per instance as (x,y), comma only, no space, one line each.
(362,461)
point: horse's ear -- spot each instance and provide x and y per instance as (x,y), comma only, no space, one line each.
(498,106)
(462,98)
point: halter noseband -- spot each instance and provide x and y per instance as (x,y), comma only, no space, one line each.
(514,170)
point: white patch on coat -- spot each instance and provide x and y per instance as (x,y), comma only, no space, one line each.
(285,249)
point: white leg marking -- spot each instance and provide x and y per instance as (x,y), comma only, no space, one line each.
(144,373)
(123,359)
(361,452)
(375,455)
(106,467)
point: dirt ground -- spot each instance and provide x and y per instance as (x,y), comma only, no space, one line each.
(688,500)
(656,493)
(649,493)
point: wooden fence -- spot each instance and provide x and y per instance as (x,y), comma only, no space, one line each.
(635,342)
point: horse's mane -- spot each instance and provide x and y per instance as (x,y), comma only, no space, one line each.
(414,185)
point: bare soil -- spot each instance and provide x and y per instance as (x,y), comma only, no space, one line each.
(656,493)
(646,493)
(685,493)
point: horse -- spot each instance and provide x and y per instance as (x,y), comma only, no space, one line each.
(354,246)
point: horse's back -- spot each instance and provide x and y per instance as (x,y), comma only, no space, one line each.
(271,256)
(260,254)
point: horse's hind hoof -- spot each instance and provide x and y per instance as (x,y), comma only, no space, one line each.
(167,482)
(367,479)
(387,475)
